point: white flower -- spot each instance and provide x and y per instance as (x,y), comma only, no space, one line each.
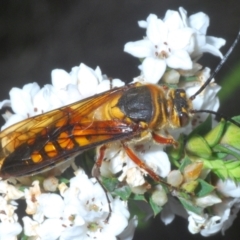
(173,42)
(128,232)
(206,100)
(171,208)
(9,226)
(9,191)
(31,195)
(222,217)
(197,222)
(199,22)
(82,212)
(10,231)
(66,88)
(208,200)
(49,205)
(150,153)
(86,204)
(50,229)
(228,188)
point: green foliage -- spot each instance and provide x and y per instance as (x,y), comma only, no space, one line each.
(188,205)
(203,188)
(230,83)
(156,209)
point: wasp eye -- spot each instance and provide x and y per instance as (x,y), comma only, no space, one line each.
(184,119)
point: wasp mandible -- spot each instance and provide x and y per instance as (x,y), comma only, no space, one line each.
(38,143)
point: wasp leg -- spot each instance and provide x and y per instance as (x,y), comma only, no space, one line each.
(142,165)
(164,140)
(101,156)
(150,172)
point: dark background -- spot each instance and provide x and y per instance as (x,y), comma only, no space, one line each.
(38,36)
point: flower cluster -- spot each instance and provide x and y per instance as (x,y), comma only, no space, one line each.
(176,42)
(83,208)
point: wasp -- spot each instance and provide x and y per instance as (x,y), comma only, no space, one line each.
(41,142)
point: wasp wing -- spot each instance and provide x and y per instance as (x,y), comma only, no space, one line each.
(45,140)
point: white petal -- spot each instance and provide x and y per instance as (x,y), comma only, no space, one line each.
(98,73)
(50,229)
(52,205)
(70,95)
(209,200)
(140,49)
(180,39)
(151,17)
(21,99)
(210,49)
(9,230)
(167,216)
(87,81)
(13,119)
(30,226)
(184,17)
(74,233)
(216,42)
(46,99)
(60,78)
(5,103)
(179,59)
(228,188)
(107,84)
(119,218)
(128,232)
(153,69)
(142,24)
(31,88)
(200,22)
(157,31)
(158,160)
(173,20)
(74,75)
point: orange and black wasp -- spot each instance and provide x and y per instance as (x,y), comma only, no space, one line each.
(38,143)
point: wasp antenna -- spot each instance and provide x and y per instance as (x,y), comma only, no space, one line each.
(219,66)
(219,115)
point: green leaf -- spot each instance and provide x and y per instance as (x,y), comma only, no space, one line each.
(203,128)
(141,210)
(189,79)
(138,197)
(197,146)
(188,205)
(230,83)
(176,153)
(190,186)
(203,188)
(64,180)
(186,161)
(224,169)
(156,209)
(231,136)
(213,136)
(109,183)
(237,118)
(226,150)
(123,192)
(23,237)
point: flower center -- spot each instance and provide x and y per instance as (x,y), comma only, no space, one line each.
(162,51)
(93,227)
